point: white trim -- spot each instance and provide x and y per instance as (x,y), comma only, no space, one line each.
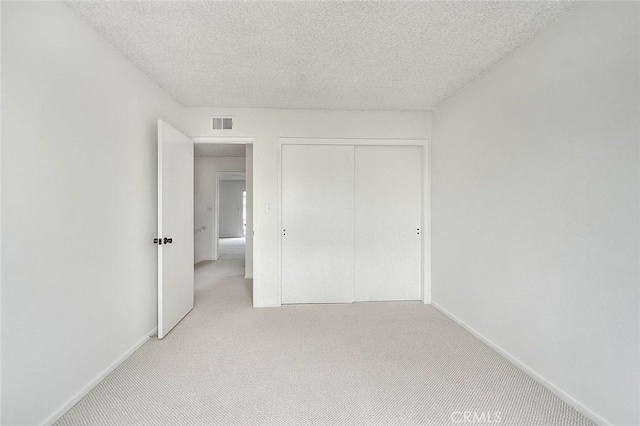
(423,222)
(351,141)
(216,223)
(240,140)
(425,261)
(426,257)
(528,370)
(279,219)
(96,380)
(159,227)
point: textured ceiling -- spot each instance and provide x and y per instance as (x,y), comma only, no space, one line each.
(316,55)
(218,150)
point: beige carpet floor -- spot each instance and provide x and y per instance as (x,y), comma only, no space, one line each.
(394,363)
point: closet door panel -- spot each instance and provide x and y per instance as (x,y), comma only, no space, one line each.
(388,212)
(317,224)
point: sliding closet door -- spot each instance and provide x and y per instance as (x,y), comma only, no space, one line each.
(317,224)
(388,240)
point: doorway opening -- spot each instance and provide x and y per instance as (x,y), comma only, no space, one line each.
(223,215)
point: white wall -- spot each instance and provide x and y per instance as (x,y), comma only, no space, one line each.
(248,249)
(205,169)
(266,126)
(1,20)
(536,207)
(79,211)
(230,208)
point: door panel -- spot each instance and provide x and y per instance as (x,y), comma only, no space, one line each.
(388,242)
(317,224)
(175,221)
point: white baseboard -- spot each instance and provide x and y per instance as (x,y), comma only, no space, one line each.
(531,372)
(89,386)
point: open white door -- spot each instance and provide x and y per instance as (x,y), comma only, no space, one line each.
(175,227)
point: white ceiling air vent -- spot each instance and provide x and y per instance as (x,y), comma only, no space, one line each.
(222,123)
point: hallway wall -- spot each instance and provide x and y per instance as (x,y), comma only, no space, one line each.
(79,208)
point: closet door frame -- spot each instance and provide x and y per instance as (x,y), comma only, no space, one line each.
(425,285)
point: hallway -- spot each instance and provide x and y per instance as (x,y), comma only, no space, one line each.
(219,284)
(231,247)
(364,363)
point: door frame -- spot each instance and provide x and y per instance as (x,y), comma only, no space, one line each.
(425,264)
